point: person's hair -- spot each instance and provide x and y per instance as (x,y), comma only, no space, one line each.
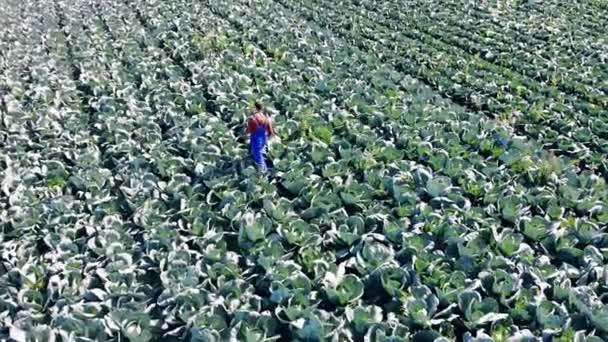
(258,106)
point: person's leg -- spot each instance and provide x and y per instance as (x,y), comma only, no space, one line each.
(263,165)
(257,154)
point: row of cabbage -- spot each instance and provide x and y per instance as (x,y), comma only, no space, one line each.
(580,56)
(535,58)
(585,17)
(577,20)
(580,20)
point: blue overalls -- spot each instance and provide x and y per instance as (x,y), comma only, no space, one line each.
(258,142)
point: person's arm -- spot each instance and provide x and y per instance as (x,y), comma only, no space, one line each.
(269,128)
(250,126)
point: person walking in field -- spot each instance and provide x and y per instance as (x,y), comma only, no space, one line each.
(259,129)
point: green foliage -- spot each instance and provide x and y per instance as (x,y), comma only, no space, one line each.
(57,182)
(323,133)
(439,173)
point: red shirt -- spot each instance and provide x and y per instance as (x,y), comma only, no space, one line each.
(259,119)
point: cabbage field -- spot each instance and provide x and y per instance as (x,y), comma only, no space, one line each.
(440,173)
